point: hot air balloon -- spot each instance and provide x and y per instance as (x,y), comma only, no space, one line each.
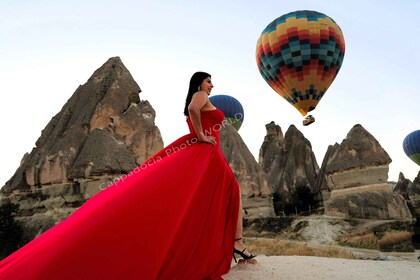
(231,107)
(411,146)
(299,54)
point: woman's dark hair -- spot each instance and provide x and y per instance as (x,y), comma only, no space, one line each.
(195,82)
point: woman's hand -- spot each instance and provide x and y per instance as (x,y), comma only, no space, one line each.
(207,139)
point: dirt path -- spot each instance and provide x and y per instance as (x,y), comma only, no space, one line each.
(321,231)
(308,268)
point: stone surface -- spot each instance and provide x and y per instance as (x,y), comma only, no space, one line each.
(288,161)
(321,181)
(358,177)
(402,186)
(374,201)
(96,116)
(414,199)
(255,191)
(353,180)
(102,154)
(358,160)
(101,133)
(414,189)
(411,193)
(271,147)
(136,127)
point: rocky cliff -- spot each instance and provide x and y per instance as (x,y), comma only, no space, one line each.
(104,113)
(403,186)
(288,161)
(407,188)
(103,131)
(358,160)
(256,193)
(414,204)
(411,192)
(356,173)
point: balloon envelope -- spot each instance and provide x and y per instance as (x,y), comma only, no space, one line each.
(231,107)
(299,54)
(411,146)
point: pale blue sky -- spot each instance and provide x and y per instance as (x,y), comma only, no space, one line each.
(48,48)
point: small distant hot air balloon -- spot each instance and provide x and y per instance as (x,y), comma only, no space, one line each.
(231,107)
(411,146)
(299,54)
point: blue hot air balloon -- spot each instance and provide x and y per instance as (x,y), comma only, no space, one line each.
(231,107)
(411,146)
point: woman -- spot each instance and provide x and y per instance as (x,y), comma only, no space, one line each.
(174,218)
(197,102)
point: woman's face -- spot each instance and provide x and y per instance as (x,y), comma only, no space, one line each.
(206,85)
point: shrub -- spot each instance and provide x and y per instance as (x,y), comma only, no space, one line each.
(365,240)
(278,247)
(396,241)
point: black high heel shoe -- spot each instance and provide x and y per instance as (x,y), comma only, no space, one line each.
(242,253)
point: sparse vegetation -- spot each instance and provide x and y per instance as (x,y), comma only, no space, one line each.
(295,233)
(396,241)
(278,247)
(336,222)
(301,225)
(267,227)
(383,235)
(352,222)
(365,240)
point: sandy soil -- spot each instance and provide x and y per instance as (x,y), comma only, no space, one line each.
(307,268)
(320,231)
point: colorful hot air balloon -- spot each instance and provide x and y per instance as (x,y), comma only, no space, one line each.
(231,107)
(299,54)
(411,146)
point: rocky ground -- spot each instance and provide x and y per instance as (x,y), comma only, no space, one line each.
(321,231)
(298,267)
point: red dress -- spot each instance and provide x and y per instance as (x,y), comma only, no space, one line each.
(173,217)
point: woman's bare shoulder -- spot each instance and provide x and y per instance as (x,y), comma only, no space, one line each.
(200,96)
(201,93)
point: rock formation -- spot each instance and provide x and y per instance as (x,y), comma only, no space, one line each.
(102,132)
(402,187)
(288,161)
(375,201)
(356,173)
(321,182)
(255,190)
(415,187)
(414,203)
(358,160)
(411,192)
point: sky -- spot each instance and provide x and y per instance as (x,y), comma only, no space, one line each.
(48,48)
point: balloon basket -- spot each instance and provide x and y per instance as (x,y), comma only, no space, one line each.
(308,120)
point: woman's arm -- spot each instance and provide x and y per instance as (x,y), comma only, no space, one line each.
(198,101)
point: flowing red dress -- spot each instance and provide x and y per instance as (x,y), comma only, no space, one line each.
(173,217)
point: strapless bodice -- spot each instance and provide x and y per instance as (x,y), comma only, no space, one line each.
(211,122)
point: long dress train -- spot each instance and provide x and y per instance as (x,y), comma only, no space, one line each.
(173,217)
